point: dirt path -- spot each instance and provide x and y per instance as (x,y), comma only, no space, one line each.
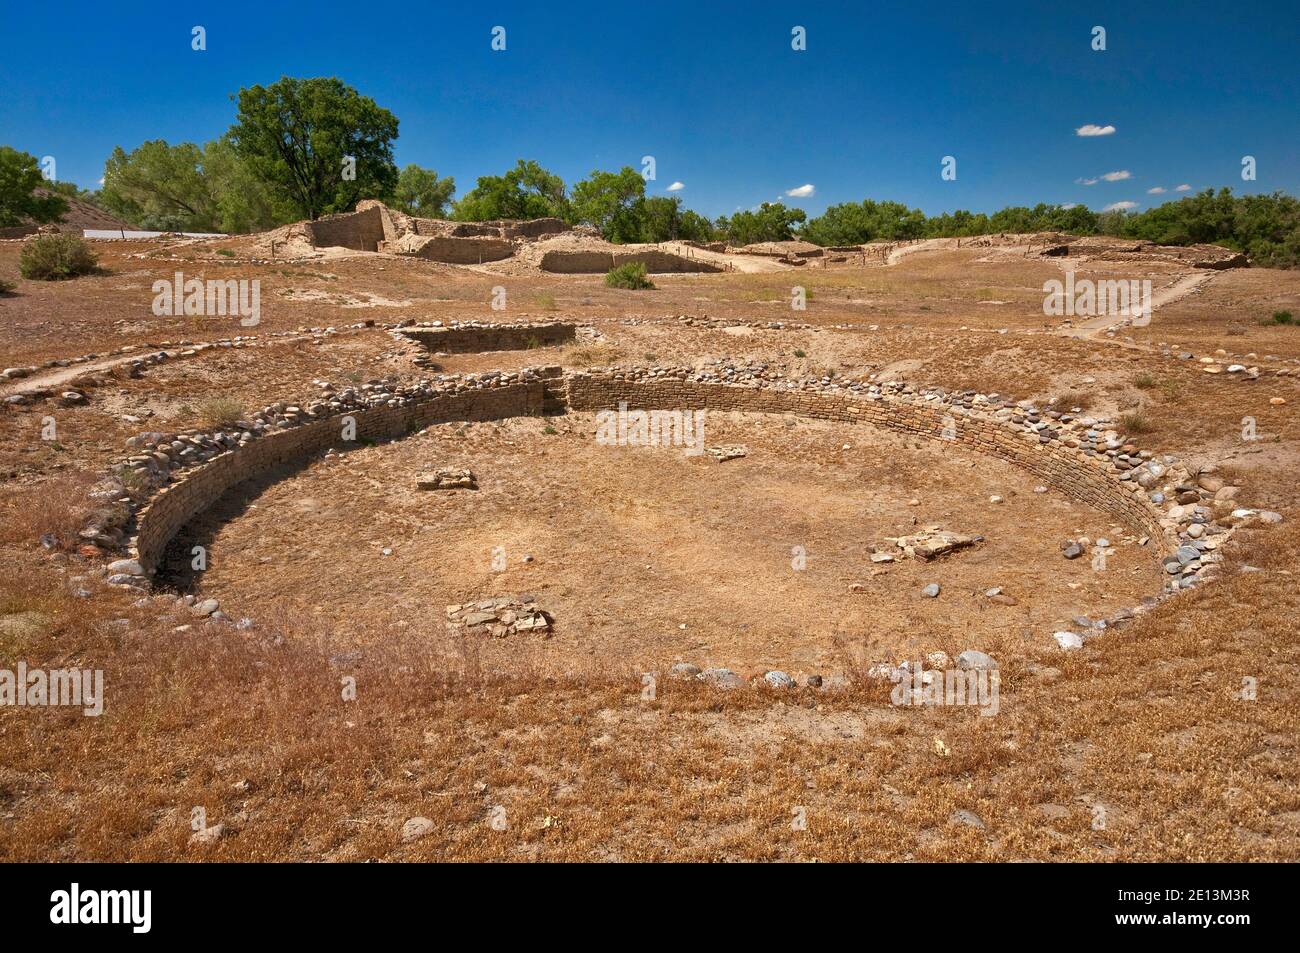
(58,376)
(1180,288)
(929,244)
(746,264)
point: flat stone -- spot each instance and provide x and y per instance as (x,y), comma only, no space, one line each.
(722,678)
(1068,640)
(415,828)
(973,660)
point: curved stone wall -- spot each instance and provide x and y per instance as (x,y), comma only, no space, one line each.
(198,488)
(1071,471)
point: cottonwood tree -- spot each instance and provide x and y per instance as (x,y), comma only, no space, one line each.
(317,141)
(188,188)
(526,191)
(613,202)
(20,200)
(420,192)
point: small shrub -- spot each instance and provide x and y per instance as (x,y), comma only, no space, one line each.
(586,355)
(6,287)
(1144,381)
(631,276)
(1280,317)
(1172,389)
(799,353)
(55,258)
(225,253)
(1077,398)
(1136,422)
(546,302)
(220,412)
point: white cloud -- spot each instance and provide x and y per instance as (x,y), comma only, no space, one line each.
(676,187)
(802,192)
(101,180)
(1119,176)
(1158,190)
(1183,188)
(1069,205)
(1085,181)
(1119,206)
(1090,130)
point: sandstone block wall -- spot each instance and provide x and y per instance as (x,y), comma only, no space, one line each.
(1069,471)
(458,251)
(198,489)
(361,231)
(662,262)
(504,337)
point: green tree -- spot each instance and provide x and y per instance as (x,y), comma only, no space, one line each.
(770,222)
(160,186)
(526,191)
(613,203)
(242,201)
(420,192)
(20,202)
(318,140)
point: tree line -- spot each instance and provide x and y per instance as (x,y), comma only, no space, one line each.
(302,148)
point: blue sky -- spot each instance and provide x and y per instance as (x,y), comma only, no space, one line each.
(712,90)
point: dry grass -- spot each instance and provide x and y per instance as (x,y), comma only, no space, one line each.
(254,729)
(1136,422)
(57,510)
(215,413)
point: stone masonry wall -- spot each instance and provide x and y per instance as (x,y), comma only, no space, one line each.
(177,504)
(361,231)
(500,337)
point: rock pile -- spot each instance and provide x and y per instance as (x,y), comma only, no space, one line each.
(933,542)
(447,479)
(502,616)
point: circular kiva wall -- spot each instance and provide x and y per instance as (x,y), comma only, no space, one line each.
(1091,478)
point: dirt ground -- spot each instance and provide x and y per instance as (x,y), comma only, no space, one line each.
(648,556)
(1144,745)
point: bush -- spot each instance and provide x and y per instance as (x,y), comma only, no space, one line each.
(631,275)
(1281,317)
(1136,422)
(220,412)
(56,257)
(6,286)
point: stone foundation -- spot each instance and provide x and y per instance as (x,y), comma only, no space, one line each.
(491,337)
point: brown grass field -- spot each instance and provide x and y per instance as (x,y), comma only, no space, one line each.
(547,749)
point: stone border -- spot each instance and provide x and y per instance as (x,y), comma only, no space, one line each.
(464,337)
